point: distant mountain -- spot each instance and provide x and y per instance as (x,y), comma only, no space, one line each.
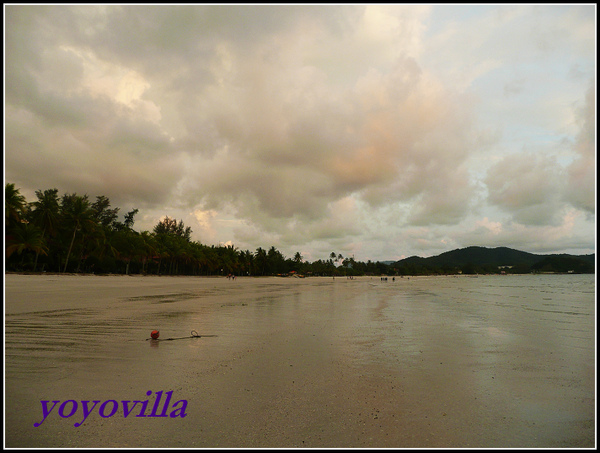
(482,259)
(583,264)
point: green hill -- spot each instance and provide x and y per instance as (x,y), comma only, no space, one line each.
(474,259)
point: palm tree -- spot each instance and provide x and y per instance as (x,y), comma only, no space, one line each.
(105,241)
(247,261)
(297,261)
(45,214)
(231,259)
(275,260)
(26,237)
(77,211)
(148,248)
(15,205)
(261,259)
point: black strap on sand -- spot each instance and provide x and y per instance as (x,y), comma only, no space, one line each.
(193,334)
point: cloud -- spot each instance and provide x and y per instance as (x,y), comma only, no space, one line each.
(309,125)
(534,187)
(528,186)
(582,172)
(290,144)
(532,238)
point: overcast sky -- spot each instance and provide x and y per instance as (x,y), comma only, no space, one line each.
(376,131)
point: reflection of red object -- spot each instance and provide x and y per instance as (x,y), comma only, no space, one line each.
(154,334)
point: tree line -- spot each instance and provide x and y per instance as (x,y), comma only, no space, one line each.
(70,233)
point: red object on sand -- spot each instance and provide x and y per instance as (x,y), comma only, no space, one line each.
(154,334)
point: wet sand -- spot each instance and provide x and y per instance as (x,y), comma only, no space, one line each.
(315,362)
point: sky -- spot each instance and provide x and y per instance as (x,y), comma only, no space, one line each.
(376,131)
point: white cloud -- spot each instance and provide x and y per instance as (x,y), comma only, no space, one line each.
(582,172)
(378,129)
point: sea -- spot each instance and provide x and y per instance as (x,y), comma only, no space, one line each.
(516,352)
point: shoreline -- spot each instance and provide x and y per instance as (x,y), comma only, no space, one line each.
(297,363)
(341,277)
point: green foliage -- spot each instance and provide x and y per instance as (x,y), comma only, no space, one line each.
(169,226)
(15,206)
(482,260)
(72,234)
(563,263)
(26,236)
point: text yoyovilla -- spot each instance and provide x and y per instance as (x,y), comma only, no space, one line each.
(108,408)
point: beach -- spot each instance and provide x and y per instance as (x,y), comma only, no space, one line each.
(432,362)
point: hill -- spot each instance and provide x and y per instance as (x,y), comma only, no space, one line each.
(475,259)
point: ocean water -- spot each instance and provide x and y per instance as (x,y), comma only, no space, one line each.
(498,361)
(522,347)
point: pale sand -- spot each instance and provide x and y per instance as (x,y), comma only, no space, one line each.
(313,362)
